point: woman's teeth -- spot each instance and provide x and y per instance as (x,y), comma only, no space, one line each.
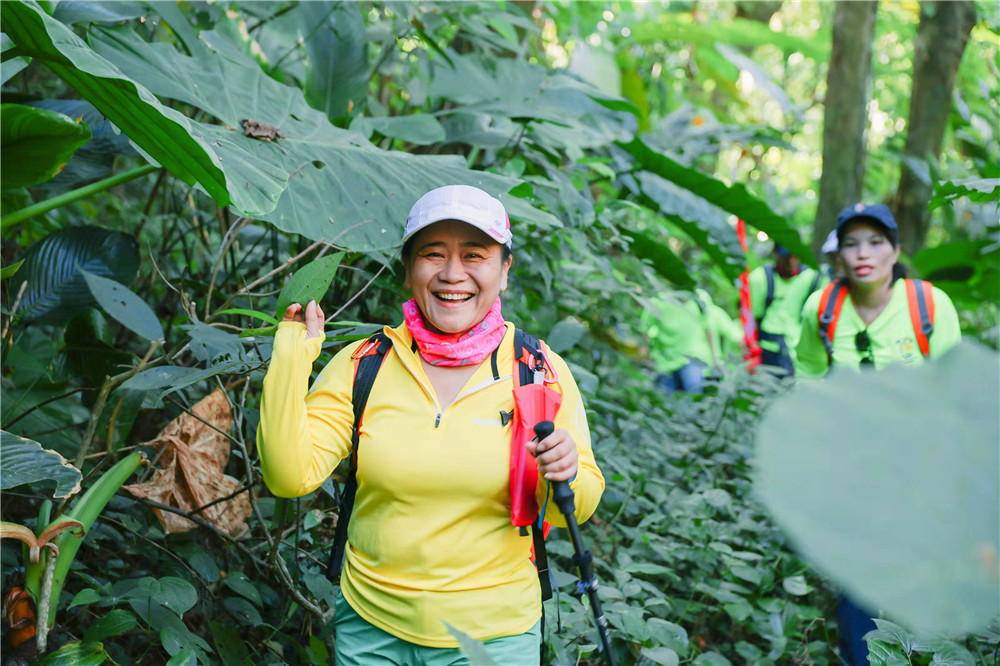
(454,297)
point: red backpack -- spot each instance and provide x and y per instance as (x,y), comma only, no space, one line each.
(919,296)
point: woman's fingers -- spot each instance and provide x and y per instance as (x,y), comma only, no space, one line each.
(314,320)
(313,317)
(556,456)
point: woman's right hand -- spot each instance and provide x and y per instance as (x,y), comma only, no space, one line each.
(314,317)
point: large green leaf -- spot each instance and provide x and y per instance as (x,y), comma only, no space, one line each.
(309,283)
(420,128)
(684,27)
(170,592)
(161,132)
(96,158)
(664,260)
(337,67)
(125,306)
(977,189)
(72,12)
(56,289)
(10,67)
(25,461)
(704,223)
(735,199)
(35,144)
(339,186)
(76,654)
(894,490)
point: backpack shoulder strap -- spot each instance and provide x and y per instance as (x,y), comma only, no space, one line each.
(367,360)
(830,304)
(528,358)
(769,274)
(920,298)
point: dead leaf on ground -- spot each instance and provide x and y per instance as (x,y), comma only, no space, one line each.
(191,470)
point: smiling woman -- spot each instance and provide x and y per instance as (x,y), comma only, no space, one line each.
(432,539)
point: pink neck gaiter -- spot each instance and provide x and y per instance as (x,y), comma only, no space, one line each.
(469,348)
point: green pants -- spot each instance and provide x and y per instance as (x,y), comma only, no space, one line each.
(359,643)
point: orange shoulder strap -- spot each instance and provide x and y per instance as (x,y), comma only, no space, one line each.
(831,302)
(920,298)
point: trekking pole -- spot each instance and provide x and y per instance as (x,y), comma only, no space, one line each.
(583,558)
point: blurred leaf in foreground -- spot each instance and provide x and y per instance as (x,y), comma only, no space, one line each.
(889,483)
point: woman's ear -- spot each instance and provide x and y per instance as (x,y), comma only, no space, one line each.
(505,272)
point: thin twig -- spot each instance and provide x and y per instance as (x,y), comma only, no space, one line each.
(13,310)
(194,519)
(227,241)
(109,383)
(355,296)
(224,499)
(289,262)
(170,553)
(43,403)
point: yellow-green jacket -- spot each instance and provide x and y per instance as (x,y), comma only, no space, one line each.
(430,539)
(891,335)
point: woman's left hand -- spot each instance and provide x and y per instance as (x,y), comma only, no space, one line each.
(556,455)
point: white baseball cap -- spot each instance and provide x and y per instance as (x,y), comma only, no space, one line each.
(830,244)
(464,203)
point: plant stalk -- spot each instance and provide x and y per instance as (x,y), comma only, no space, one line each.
(19,216)
(44,602)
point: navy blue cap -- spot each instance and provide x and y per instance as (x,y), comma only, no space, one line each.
(878,213)
(782,251)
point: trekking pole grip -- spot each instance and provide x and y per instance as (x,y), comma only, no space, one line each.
(561,492)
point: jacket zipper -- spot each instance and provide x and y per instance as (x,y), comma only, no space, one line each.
(437,406)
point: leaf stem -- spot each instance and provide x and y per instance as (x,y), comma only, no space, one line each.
(19,216)
(44,602)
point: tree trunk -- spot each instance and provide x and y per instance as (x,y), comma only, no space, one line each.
(758,10)
(941,38)
(845,117)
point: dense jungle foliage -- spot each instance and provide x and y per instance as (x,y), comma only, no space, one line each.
(174,174)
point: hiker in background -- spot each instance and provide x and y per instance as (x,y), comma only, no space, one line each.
(688,339)
(430,540)
(834,269)
(868,319)
(874,317)
(777,293)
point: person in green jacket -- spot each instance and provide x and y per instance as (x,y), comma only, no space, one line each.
(777,293)
(688,337)
(874,326)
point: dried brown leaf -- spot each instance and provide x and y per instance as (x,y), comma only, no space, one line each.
(191,469)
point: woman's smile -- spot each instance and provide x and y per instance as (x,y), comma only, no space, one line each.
(456,273)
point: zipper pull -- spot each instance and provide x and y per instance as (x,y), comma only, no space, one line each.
(437,421)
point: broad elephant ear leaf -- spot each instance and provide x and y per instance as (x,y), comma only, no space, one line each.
(337,66)
(25,461)
(55,289)
(734,199)
(895,492)
(96,158)
(35,144)
(339,186)
(664,260)
(161,132)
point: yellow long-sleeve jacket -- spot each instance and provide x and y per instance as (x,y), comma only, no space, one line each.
(430,539)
